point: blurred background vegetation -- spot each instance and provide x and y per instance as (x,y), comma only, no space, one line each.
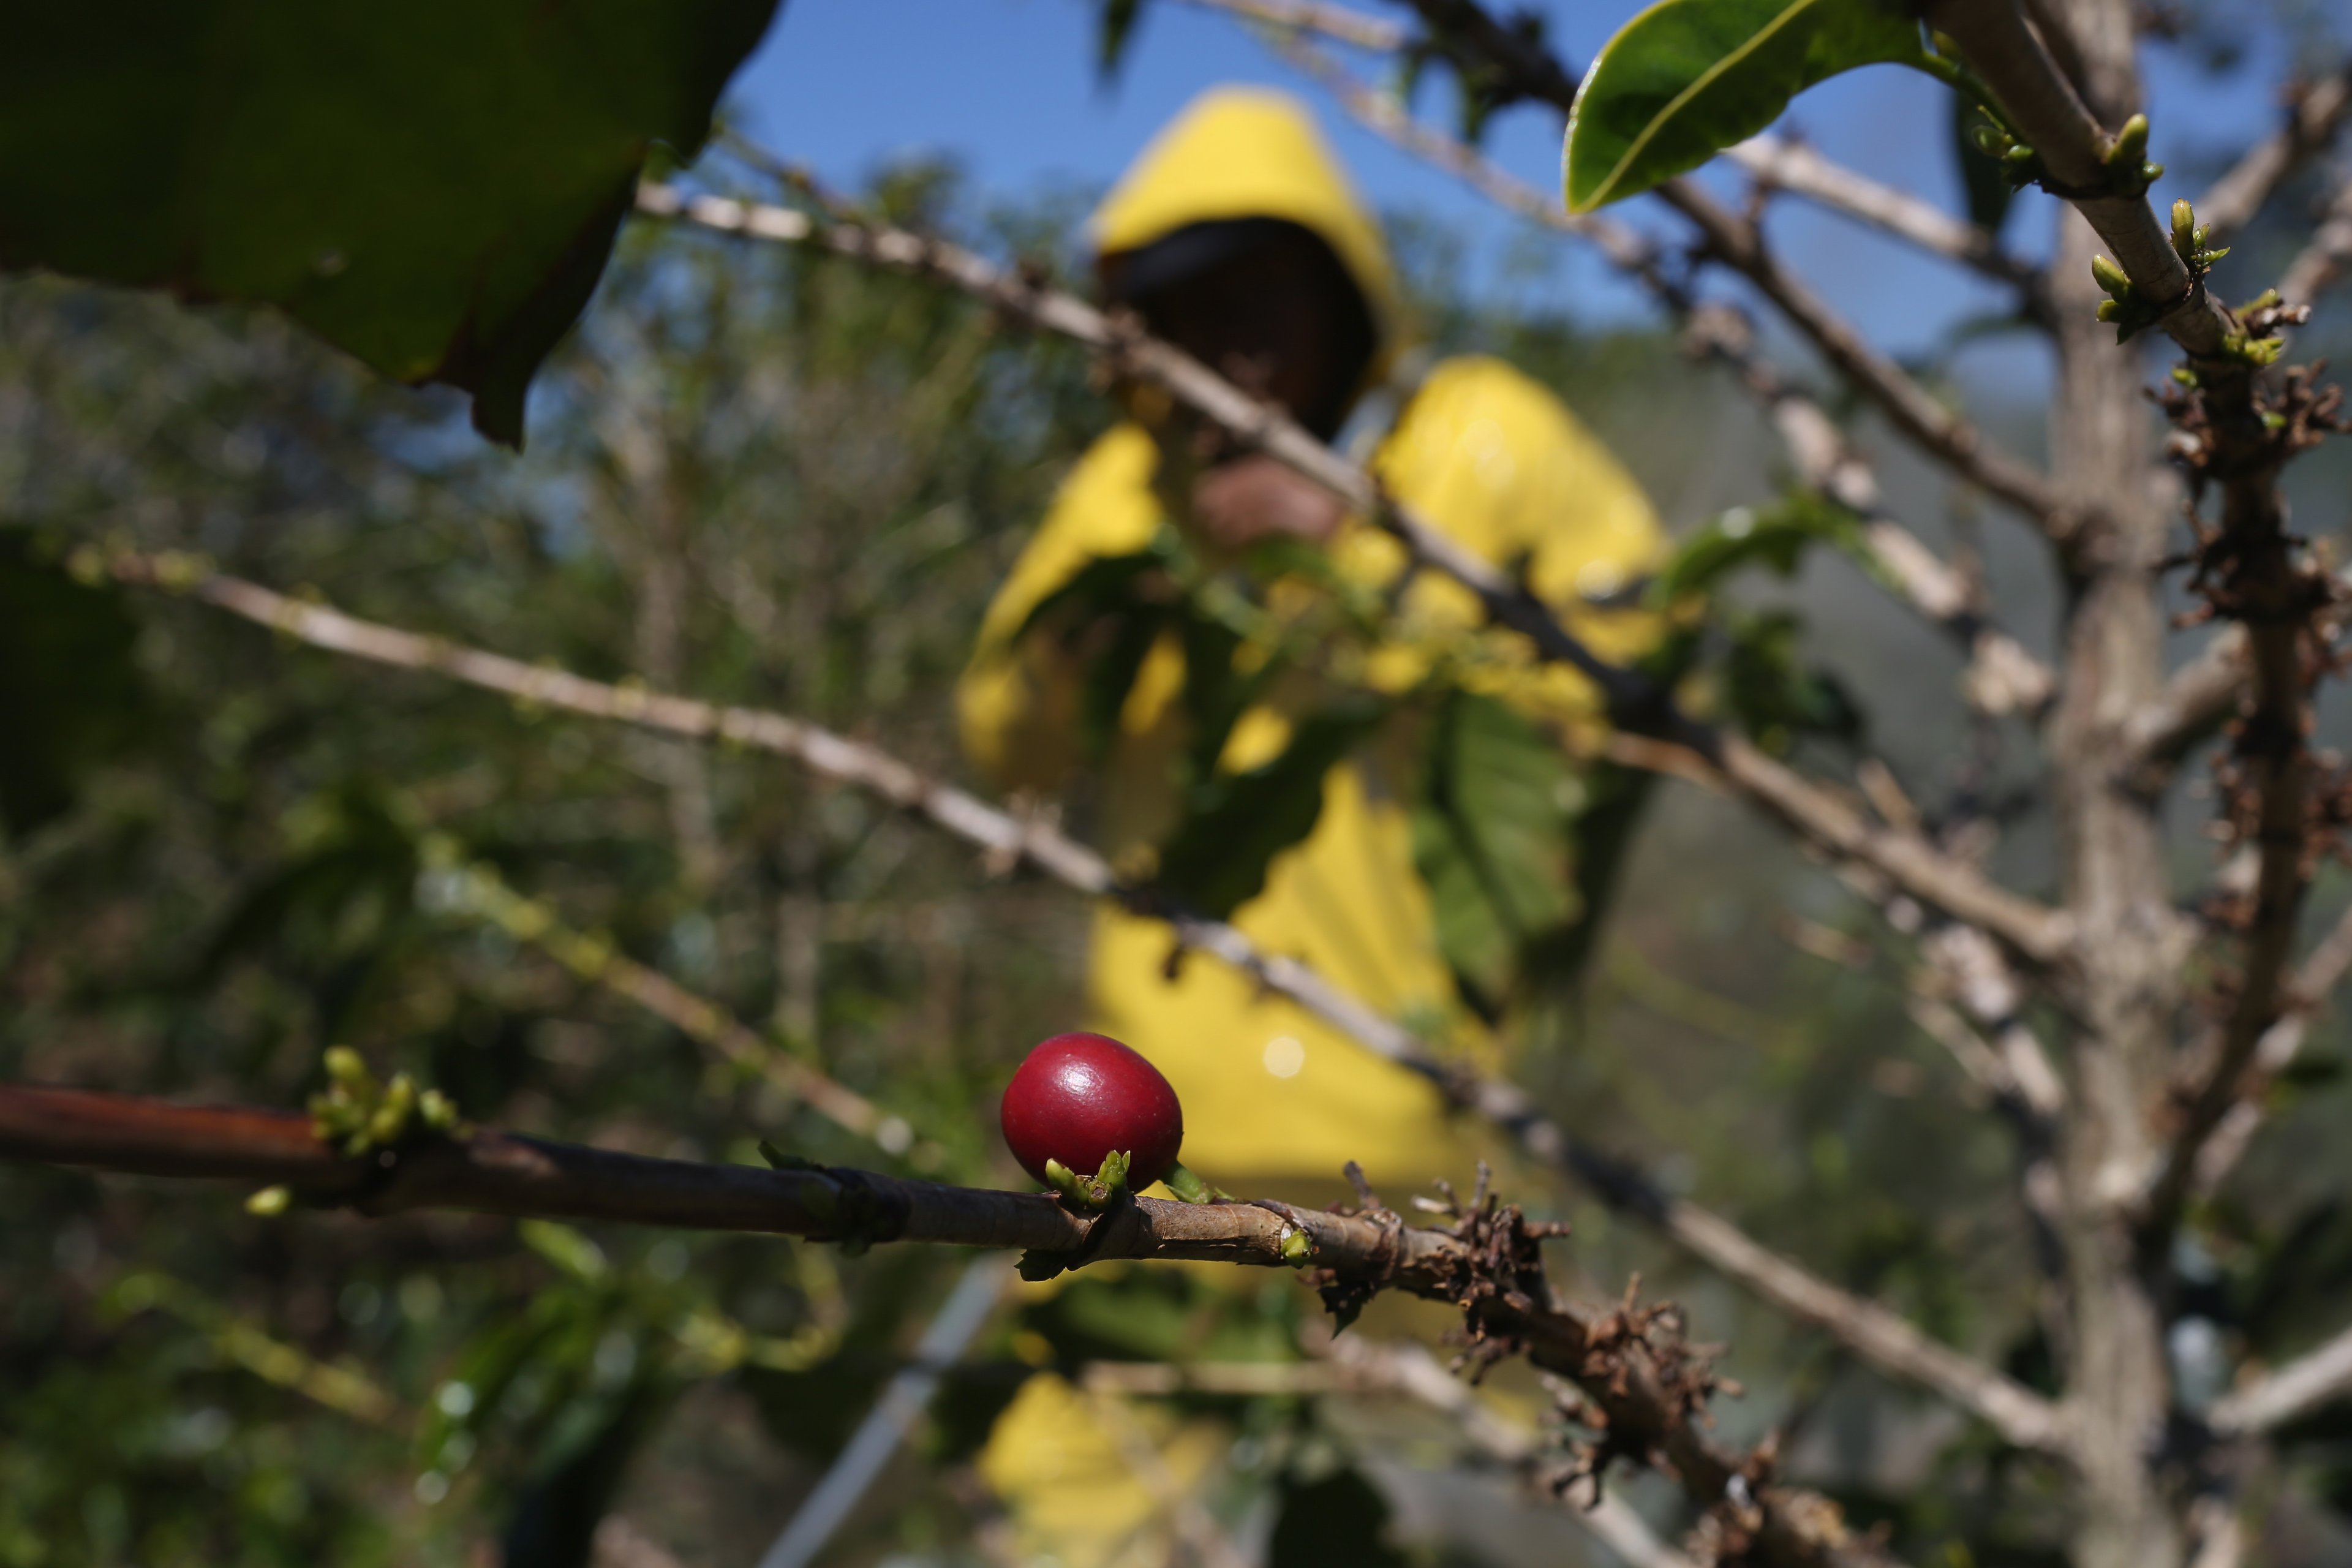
(782,481)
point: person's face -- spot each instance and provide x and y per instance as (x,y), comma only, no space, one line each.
(1262,319)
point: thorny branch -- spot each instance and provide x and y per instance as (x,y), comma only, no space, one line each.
(2232,433)
(1881,1336)
(1645,1386)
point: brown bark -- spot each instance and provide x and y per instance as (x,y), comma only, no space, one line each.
(2113,854)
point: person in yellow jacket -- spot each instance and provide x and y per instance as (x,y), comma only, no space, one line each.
(1236,236)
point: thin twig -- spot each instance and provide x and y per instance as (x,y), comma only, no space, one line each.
(2325,257)
(2311,124)
(1635,1369)
(1879,1334)
(2322,971)
(2193,706)
(904,1400)
(481,890)
(1336,23)
(2287,1393)
(1793,166)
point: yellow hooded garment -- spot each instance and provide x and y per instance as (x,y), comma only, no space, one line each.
(1275,1101)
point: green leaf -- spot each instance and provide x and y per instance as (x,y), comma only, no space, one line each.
(1981,176)
(1494,838)
(433,186)
(1775,697)
(1236,824)
(1116,33)
(1742,537)
(1119,604)
(1686,78)
(70,694)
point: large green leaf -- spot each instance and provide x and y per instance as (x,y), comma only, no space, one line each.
(1981,176)
(1236,824)
(434,187)
(1686,78)
(1494,839)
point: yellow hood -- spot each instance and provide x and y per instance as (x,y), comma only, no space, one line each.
(1242,153)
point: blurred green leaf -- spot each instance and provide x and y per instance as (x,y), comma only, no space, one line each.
(70,696)
(1774,695)
(1494,838)
(1117,607)
(1686,78)
(1337,1520)
(1236,822)
(1115,33)
(1776,539)
(433,187)
(1988,191)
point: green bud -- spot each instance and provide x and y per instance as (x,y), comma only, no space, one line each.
(2184,376)
(2111,309)
(391,1119)
(347,1068)
(2149,173)
(2184,225)
(2264,301)
(439,1112)
(2130,145)
(2019,155)
(1990,140)
(2110,277)
(1298,1246)
(269,1201)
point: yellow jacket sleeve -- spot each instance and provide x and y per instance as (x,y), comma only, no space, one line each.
(1017,703)
(1494,459)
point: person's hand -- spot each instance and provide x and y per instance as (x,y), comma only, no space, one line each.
(1236,504)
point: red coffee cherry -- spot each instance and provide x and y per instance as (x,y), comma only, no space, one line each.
(1080,1097)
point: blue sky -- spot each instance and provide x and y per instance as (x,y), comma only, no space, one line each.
(1008,87)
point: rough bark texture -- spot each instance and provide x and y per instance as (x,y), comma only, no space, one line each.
(2114,867)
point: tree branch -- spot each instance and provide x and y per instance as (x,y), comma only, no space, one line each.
(1786,165)
(2322,260)
(1881,1335)
(2195,703)
(2256,576)
(1941,432)
(2323,969)
(481,891)
(1634,1367)
(2312,122)
(2286,1393)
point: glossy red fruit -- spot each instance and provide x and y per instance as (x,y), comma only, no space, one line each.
(1080,1097)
